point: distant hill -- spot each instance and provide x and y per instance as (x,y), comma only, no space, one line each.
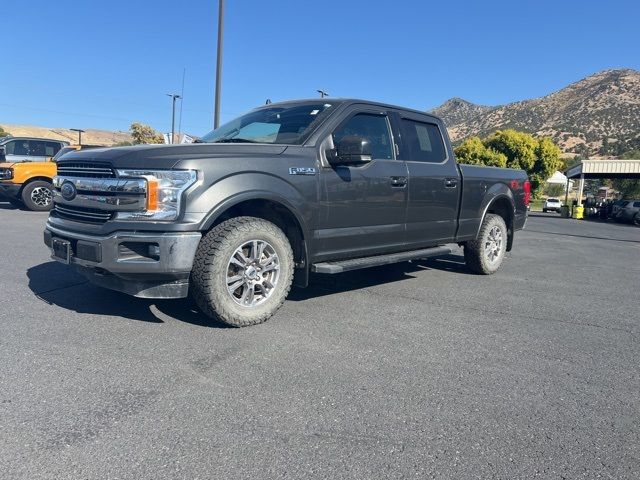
(579,117)
(90,136)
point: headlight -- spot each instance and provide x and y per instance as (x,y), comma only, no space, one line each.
(6,173)
(164,191)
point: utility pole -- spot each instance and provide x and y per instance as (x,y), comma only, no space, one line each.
(174,97)
(322,93)
(216,114)
(80,132)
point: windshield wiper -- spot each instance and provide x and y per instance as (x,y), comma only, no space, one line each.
(234,140)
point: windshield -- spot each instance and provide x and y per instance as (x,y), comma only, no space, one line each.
(289,124)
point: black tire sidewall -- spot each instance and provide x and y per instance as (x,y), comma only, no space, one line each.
(218,301)
(26,196)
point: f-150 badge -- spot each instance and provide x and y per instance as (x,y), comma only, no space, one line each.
(302,171)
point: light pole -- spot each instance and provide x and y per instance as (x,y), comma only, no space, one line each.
(80,132)
(216,114)
(322,93)
(174,97)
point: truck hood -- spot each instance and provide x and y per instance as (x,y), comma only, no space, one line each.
(168,156)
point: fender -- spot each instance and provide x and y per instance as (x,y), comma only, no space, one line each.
(235,189)
(496,193)
(25,171)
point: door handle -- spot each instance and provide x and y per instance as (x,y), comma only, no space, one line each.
(398,181)
(450,182)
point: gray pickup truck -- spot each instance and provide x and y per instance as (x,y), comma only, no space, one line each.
(289,188)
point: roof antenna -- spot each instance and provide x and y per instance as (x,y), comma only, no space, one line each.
(268,102)
(322,93)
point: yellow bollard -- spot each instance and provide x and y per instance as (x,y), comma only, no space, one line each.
(578,212)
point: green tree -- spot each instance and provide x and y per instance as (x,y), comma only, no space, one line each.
(4,133)
(629,188)
(141,133)
(554,189)
(539,157)
(473,152)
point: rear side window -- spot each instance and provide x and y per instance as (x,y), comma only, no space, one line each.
(51,148)
(37,148)
(636,204)
(422,142)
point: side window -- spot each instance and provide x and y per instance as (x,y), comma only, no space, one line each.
(636,204)
(372,128)
(422,142)
(18,147)
(37,148)
(51,148)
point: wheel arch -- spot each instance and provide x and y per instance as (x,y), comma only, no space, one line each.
(276,210)
(35,179)
(504,206)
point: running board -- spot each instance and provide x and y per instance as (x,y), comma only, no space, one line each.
(377,260)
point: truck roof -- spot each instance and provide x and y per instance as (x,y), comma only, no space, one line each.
(350,101)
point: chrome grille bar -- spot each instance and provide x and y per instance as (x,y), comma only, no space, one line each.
(95,170)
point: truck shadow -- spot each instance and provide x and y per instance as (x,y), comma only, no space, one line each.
(57,284)
(4,205)
(322,285)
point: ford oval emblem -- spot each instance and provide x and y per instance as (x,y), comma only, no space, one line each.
(68,191)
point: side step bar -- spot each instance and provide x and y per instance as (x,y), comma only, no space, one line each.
(377,260)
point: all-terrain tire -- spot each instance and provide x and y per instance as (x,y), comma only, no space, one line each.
(478,253)
(209,276)
(38,196)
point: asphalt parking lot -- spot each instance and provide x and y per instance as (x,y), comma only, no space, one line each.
(409,371)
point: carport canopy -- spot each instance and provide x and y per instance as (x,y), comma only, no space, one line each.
(602,169)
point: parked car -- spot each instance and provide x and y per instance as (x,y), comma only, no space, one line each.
(614,207)
(629,211)
(552,205)
(29,183)
(27,149)
(306,186)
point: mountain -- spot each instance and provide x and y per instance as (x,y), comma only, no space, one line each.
(599,114)
(89,137)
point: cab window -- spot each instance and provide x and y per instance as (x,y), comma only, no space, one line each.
(372,128)
(422,142)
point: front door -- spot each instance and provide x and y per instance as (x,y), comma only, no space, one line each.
(362,207)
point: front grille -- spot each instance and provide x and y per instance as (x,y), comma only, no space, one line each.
(82,214)
(92,170)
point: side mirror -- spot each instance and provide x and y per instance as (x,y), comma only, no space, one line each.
(351,150)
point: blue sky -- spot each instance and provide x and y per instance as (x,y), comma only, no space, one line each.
(104,64)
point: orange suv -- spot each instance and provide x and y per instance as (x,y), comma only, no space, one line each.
(28,183)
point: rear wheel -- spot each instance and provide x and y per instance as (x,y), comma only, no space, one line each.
(242,272)
(38,196)
(485,254)
(636,219)
(544,210)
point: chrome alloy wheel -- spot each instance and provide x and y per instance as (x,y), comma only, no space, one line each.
(41,196)
(493,245)
(252,273)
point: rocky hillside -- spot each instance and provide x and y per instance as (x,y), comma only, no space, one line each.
(89,137)
(599,115)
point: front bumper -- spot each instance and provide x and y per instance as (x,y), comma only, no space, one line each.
(10,190)
(146,265)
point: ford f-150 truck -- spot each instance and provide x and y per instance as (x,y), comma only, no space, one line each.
(289,188)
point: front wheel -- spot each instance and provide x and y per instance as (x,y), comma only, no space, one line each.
(38,196)
(485,254)
(636,219)
(242,272)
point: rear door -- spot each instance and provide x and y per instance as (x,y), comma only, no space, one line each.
(434,180)
(362,207)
